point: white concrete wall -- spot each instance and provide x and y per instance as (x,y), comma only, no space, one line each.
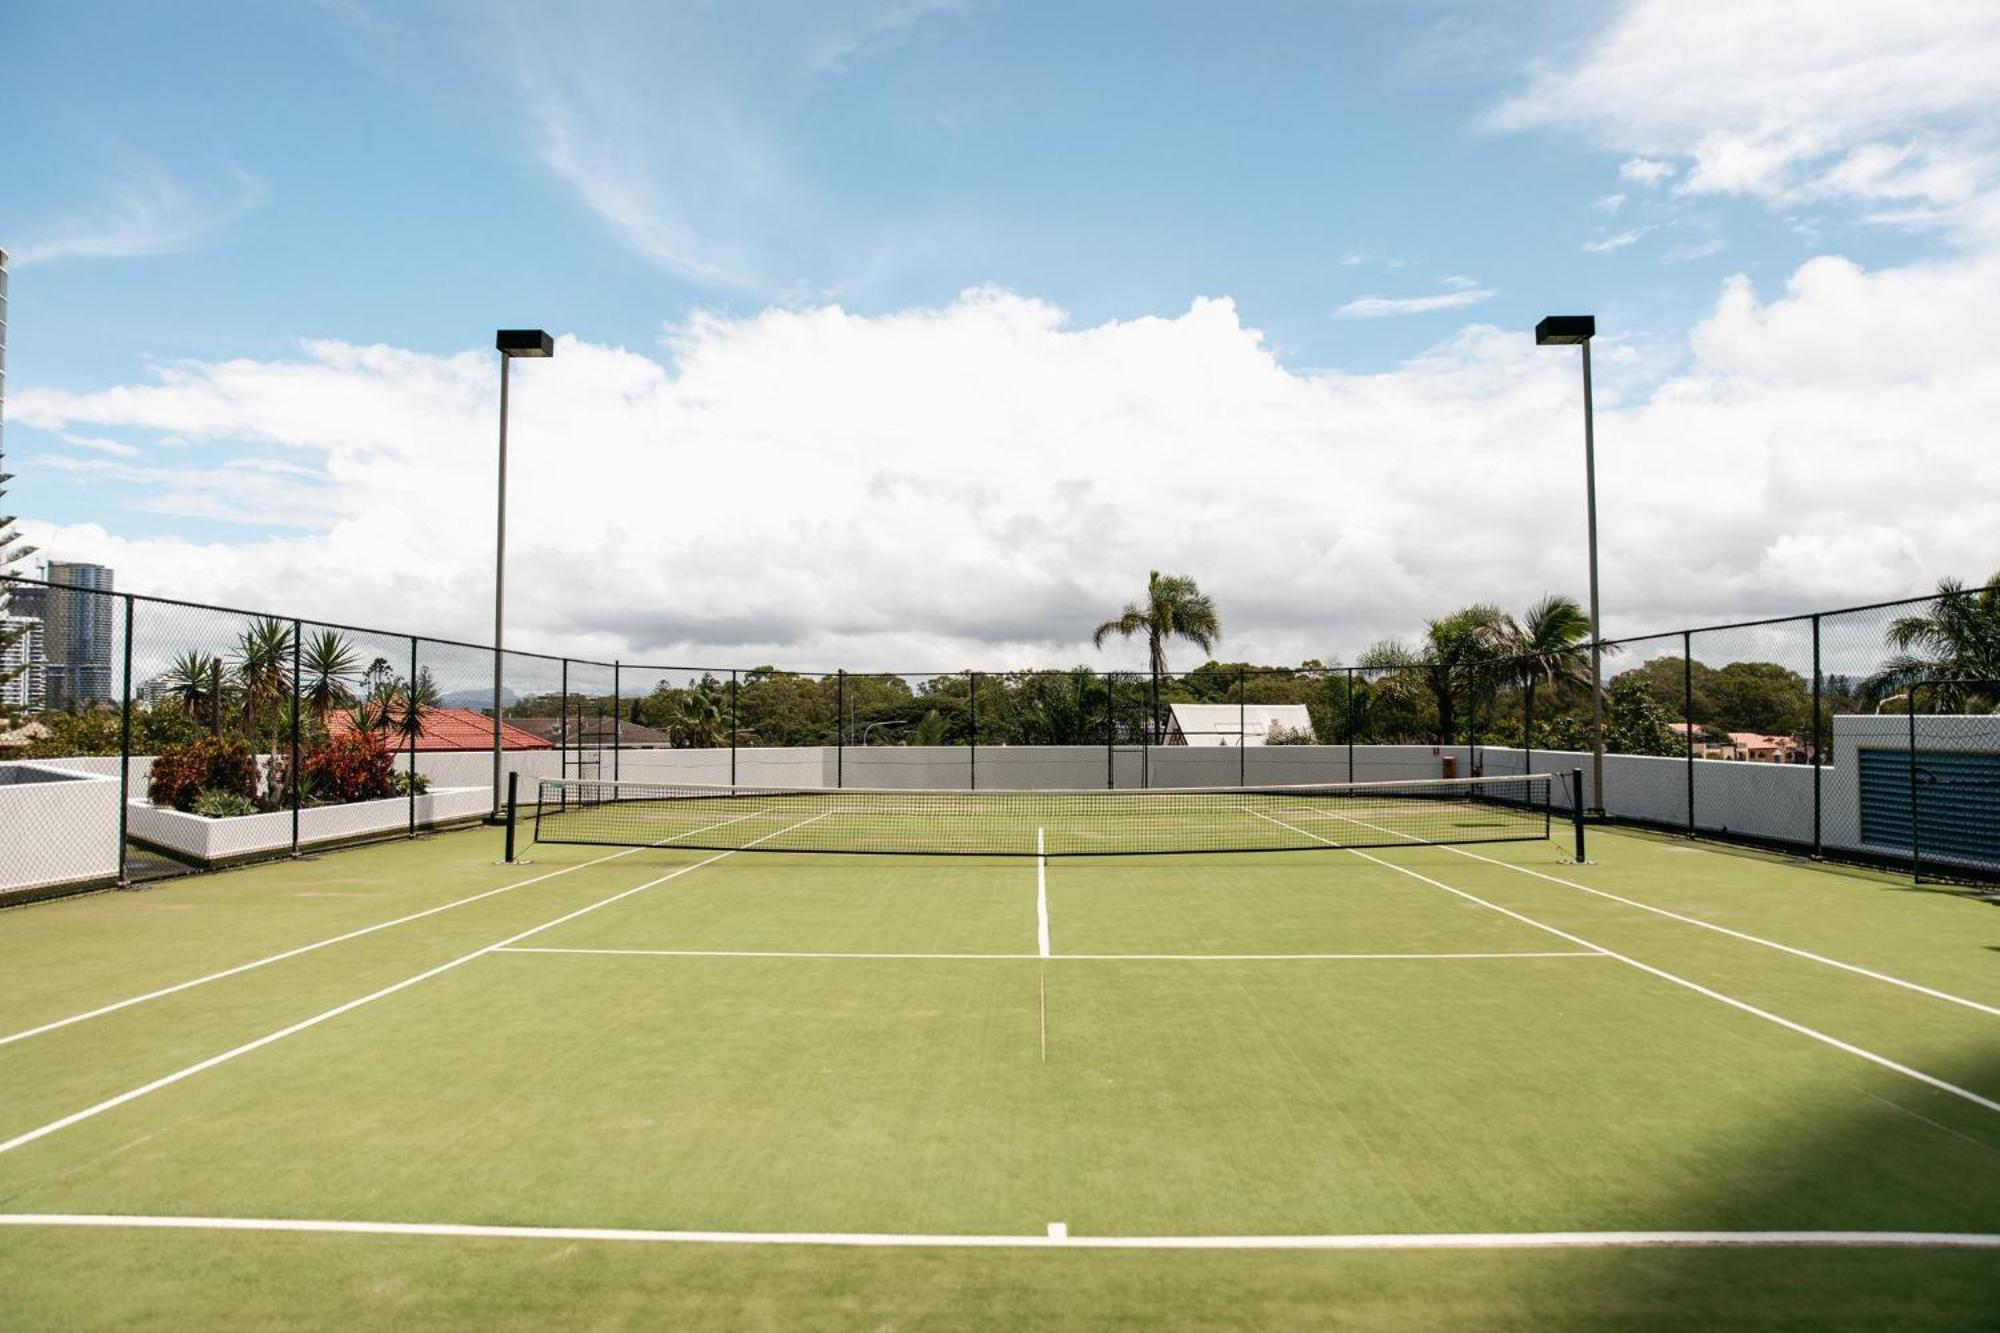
(63,831)
(208,841)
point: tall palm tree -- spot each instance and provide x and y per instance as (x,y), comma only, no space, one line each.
(1174,608)
(1956,643)
(698,723)
(1550,646)
(192,681)
(327,665)
(414,703)
(263,669)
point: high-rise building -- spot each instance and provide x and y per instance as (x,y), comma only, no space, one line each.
(23,658)
(78,631)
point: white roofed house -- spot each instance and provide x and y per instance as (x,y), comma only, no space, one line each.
(1222,724)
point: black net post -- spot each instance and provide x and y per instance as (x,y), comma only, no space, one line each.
(732,726)
(1576,809)
(125,744)
(292,774)
(1687,715)
(1818,743)
(513,807)
(840,728)
(617,714)
(972,709)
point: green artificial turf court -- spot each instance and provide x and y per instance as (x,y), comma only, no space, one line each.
(1402,1087)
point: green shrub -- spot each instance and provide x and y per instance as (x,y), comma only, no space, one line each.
(404,781)
(217,804)
(182,773)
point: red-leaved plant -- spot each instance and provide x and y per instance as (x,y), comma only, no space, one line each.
(355,767)
(182,773)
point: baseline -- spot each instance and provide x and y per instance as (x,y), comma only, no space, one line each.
(252,966)
(1469,1240)
(1065,957)
(1815,1034)
(200,1066)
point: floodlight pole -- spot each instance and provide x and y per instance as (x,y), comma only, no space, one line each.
(1596,625)
(510,343)
(1565,330)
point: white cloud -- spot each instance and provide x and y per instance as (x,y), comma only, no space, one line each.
(839,50)
(980,483)
(1380,307)
(1692,250)
(1839,100)
(98,444)
(1644,171)
(1605,245)
(1458,282)
(1610,203)
(145,212)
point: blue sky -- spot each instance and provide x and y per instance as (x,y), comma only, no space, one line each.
(214,185)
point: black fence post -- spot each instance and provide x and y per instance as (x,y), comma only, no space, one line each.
(1146,738)
(562,725)
(972,708)
(1351,724)
(1818,740)
(617,716)
(732,726)
(1916,820)
(1110,729)
(410,724)
(840,728)
(125,746)
(1687,715)
(292,774)
(1242,760)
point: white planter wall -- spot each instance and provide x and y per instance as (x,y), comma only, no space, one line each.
(58,825)
(210,841)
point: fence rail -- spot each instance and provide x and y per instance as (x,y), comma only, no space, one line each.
(1867,733)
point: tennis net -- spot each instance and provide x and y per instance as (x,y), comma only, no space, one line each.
(1101,822)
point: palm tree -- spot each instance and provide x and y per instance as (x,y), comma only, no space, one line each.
(1455,661)
(192,681)
(1174,608)
(1549,647)
(1955,646)
(263,669)
(413,703)
(327,663)
(699,723)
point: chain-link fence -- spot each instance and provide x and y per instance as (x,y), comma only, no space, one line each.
(153,736)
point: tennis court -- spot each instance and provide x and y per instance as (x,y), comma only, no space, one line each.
(1433,1080)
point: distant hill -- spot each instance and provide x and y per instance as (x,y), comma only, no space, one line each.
(480,698)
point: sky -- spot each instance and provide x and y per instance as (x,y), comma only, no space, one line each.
(911,334)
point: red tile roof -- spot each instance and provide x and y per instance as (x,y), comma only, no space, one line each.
(453,729)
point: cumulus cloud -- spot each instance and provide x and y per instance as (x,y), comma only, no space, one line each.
(1843,100)
(979,483)
(1609,203)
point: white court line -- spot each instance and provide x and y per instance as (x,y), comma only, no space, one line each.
(1699,989)
(1858,970)
(1463,1240)
(240,968)
(1066,957)
(168,1080)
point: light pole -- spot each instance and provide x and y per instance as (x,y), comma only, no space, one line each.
(510,343)
(1565,331)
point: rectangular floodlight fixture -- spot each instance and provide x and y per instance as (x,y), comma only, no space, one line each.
(524,342)
(1563,330)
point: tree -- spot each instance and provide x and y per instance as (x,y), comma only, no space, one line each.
(1956,643)
(1548,647)
(699,721)
(327,666)
(1758,696)
(1174,608)
(195,682)
(1454,665)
